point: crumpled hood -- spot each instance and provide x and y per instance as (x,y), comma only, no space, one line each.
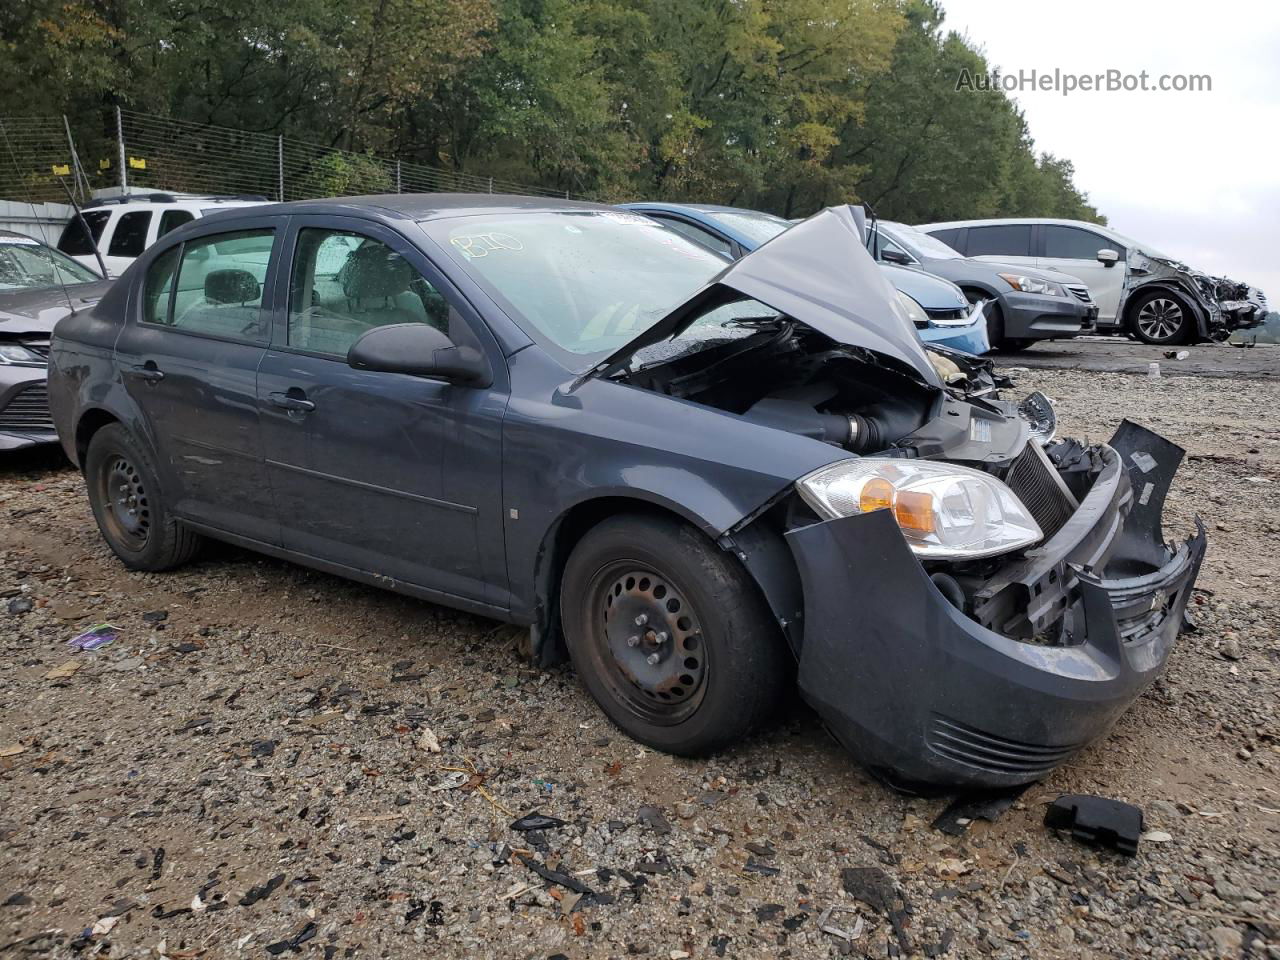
(819,273)
(37,310)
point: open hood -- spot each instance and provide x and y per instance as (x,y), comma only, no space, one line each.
(819,273)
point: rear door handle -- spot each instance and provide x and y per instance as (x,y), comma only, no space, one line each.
(293,404)
(148,372)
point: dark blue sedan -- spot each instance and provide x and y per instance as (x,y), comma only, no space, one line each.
(701,481)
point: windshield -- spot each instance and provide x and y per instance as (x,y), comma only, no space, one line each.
(585,283)
(27,264)
(921,245)
(760,227)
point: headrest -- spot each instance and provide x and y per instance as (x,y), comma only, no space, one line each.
(231,286)
(375,271)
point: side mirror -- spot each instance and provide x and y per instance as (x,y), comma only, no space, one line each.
(420,351)
(895,256)
(1108,258)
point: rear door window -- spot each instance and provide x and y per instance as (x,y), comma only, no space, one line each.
(1005,239)
(75,241)
(950,236)
(698,235)
(130,236)
(219,286)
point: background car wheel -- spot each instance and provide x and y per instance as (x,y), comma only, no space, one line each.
(995,323)
(1160,318)
(127,504)
(670,635)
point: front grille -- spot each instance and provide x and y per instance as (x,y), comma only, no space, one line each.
(1081,293)
(27,410)
(976,748)
(1032,478)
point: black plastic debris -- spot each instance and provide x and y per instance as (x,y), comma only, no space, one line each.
(755,866)
(294,943)
(1097,821)
(263,748)
(769,911)
(261,892)
(565,880)
(653,818)
(157,863)
(155,616)
(537,821)
(873,887)
(966,808)
(21,605)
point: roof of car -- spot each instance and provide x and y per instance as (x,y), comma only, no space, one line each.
(688,207)
(431,206)
(995,221)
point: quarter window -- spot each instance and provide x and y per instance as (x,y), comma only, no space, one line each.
(219,286)
(345,284)
(1072,243)
(130,236)
(172,219)
(698,235)
(1006,240)
(75,241)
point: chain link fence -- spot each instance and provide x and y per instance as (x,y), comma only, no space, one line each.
(138,152)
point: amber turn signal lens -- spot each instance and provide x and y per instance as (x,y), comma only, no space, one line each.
(877,494)
(914,511)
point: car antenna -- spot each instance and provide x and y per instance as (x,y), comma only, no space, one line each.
(17,168)
(875,229)
(85,227)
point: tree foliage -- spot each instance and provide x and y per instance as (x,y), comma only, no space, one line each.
(787,105)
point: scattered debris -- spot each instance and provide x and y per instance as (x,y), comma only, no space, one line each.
(12,750)
(1097,821)
(1177,354)
(537,821)
(64,671)
(826,926)
(653,818)
(104,926)
(568,881)
(966,808)
(428,741)
(261,892)
(21,605)
(949,868)
(99,635)
(1157,836)
(295,943)
(155,616)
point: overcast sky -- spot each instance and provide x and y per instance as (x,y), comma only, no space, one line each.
(1196,175)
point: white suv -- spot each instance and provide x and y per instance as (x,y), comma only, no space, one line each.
(122,227)
(1138,290)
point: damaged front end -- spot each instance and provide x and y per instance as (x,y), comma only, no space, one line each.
(1220,305)
(991,673)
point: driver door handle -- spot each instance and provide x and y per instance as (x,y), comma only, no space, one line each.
(293,404)
(148,372)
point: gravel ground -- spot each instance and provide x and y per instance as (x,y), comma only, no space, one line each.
(269,759)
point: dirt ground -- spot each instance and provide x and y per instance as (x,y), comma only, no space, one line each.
(269,761)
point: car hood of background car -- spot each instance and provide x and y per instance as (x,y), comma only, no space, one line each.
(932,293)
(36,310)
(818,273)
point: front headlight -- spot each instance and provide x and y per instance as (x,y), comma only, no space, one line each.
(17,353)
(1031,285)
(944,511)
(914,311)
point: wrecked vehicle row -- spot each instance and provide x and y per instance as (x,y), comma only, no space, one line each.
(684,476)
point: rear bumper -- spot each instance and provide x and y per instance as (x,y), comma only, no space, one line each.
(24,408)
(1029,316)
(926,695)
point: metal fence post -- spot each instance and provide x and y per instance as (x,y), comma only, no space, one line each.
(124,176)
(398,190)
(491,184)
(280,168)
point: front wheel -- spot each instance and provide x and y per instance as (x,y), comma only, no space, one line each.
(670,635)
(1160,318)
(132,516)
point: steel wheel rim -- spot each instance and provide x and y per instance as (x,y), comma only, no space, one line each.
(1160,318)
(648,641)
(126,508)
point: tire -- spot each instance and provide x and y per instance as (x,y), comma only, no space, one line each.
(995,323)
(1160,318)
(129,507)
(723,667)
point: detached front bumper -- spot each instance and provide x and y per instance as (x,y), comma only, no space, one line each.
(924,694)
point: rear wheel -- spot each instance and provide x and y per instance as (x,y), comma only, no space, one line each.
(670,636)
(127,504)
(1160,318)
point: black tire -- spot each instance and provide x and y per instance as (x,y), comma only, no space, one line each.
(995,322)
(1160,318)
(129,507)
(723,667)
